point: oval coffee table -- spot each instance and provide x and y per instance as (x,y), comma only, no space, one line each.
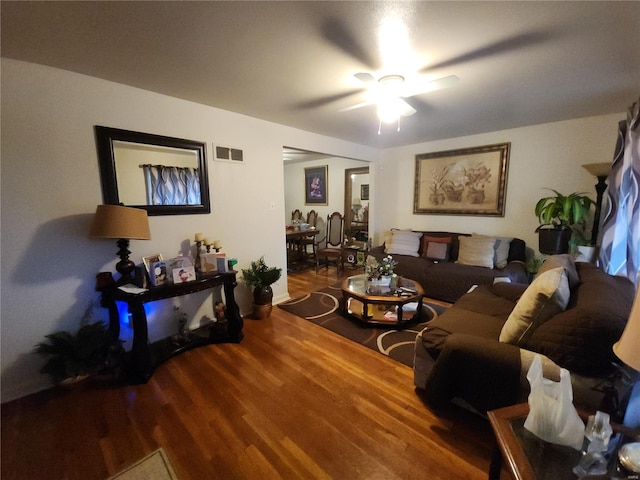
(392,309)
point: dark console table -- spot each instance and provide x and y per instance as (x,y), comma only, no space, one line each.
(145,357)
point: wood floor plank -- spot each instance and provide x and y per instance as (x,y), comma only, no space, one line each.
(292,400)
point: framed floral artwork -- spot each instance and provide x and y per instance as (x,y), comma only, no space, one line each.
(315,185)
(468,181)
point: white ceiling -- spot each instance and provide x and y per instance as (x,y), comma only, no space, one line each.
(519,63)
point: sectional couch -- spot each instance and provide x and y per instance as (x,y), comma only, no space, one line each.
(448,264)
(479,351)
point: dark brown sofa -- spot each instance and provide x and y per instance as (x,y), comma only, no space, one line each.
(448,280)
(458,356)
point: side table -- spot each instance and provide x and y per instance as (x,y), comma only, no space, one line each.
(529,458)
(355,254)
(145,357)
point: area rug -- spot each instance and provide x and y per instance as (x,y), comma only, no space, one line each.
(323,308)
(155,466)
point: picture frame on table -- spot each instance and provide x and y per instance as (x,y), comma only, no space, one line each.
(158,273)
(149,259)
(184,274)
(315,185)
(466,181)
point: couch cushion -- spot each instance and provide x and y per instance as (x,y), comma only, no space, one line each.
(477,251)
(565,261)
(547,295)
(480,313)
(581,338)
(403,242)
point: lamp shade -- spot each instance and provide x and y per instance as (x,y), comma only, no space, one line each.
(116,221)
(627,348)
(598,169)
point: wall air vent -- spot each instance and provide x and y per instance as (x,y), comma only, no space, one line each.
(228,154)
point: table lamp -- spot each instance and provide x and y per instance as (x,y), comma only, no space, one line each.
(122,223)
(601,172)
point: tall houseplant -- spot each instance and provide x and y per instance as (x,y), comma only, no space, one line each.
(261,277)
(561,217)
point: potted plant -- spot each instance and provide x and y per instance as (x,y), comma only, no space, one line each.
(379,274)
(560,216)
(580,246)
(261,277)
(71,358)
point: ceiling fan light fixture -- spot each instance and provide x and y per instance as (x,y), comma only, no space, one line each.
(390,109)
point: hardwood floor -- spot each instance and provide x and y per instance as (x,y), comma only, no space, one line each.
(292,400)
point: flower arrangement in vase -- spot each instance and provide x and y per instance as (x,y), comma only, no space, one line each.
(379,274)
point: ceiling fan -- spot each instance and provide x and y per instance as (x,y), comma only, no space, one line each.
(389,92)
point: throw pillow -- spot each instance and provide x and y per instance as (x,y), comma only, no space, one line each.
(388,235)
(478,251)
(404,242)
(428,239)
(565,261)
(503,244)
(547,295)
(437,251)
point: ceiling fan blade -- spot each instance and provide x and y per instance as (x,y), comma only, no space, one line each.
(336,32)
(407,110)
(319,102)
(365,77)
(508,44)
(439,84)
(356,106)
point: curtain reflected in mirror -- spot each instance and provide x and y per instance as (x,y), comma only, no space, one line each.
(170,185)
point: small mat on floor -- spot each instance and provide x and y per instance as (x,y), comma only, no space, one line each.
(155,466)
(323,308)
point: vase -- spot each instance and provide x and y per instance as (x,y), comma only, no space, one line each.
(262,297)
(379,286)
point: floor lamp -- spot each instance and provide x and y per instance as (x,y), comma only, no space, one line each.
(601,172)
(121,223)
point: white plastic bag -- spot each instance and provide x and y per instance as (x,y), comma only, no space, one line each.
(552,416)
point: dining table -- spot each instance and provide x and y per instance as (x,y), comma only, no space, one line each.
(295,242)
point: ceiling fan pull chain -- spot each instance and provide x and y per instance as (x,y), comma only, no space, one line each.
(398,123)
(379,127)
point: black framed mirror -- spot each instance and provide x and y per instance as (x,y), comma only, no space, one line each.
(163,175)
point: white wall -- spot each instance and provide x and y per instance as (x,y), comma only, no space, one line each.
(51,186)
(542,156)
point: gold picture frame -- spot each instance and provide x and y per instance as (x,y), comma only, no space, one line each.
(467,181)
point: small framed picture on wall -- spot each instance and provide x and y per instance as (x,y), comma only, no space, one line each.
(315,185)
(364,191)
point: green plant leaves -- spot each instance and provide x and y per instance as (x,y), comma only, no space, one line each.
(563,210)
(260,275)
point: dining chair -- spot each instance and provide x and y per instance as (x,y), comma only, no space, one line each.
(296,217)
(312,220)
(330,248)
